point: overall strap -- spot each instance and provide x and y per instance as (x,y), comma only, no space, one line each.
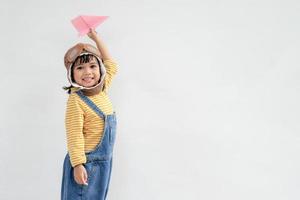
(91,104)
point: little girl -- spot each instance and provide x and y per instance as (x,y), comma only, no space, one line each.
(90,122)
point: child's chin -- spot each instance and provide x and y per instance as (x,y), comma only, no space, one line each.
(88,85)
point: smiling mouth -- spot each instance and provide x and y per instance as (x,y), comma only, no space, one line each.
(88,79)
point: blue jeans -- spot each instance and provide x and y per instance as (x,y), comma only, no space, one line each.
(98,165)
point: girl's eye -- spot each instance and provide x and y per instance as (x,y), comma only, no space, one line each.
(79,68)
(93,66)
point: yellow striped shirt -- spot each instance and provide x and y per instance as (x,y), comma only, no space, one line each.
(84,128)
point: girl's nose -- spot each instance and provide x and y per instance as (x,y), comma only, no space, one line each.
(87,70)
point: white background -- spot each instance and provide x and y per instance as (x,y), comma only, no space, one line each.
(207,97)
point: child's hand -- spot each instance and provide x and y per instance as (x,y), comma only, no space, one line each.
(80,174)
(100,45)
(93,35)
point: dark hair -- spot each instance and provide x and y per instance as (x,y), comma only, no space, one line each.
(85,58)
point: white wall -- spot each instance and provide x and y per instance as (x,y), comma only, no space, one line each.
(207,97)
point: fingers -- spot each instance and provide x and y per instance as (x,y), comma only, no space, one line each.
(81,178)
(85,177)
(92,31)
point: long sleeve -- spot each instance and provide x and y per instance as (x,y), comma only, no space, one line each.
(74,130)
(111,70)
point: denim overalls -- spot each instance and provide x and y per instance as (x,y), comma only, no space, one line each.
(98,165)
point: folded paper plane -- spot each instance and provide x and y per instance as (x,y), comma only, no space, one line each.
(83,23)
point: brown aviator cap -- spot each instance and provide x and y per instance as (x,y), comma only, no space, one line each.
(76,50)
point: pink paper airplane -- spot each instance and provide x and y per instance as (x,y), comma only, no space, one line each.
(83,23)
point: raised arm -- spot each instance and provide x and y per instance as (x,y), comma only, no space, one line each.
(109,63)
(100,45)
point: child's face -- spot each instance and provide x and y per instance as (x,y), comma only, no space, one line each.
(87,74)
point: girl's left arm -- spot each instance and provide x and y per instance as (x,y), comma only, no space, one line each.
(109,63)
(100,45)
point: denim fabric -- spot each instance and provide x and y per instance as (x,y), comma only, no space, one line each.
(98,165)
